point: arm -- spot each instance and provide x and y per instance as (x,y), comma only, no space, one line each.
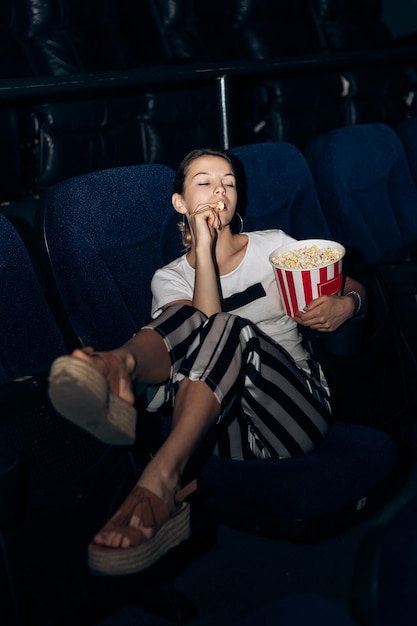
(204,224)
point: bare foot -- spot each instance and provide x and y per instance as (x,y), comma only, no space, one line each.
(140,515)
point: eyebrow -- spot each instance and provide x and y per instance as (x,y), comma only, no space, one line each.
(210,174)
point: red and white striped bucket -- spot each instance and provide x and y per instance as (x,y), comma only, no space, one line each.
(297,287)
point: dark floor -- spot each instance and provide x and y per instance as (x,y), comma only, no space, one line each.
(242,572)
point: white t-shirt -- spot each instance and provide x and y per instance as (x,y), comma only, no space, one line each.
(249,291)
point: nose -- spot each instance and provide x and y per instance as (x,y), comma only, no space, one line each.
(220,189)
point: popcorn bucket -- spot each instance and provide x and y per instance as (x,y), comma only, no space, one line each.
(307,269)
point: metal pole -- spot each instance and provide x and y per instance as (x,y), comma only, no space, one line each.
(224,107)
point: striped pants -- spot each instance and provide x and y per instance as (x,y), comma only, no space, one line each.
(269,406)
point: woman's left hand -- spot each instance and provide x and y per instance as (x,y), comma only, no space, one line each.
(326,313)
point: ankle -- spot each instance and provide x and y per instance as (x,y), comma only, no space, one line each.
(164,486)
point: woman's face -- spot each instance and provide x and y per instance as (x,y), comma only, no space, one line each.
(208,180)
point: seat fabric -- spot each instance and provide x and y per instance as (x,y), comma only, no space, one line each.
(103,233)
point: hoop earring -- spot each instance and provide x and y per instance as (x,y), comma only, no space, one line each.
(240,223)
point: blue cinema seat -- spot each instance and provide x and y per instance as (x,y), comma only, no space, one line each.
(102,234)
(369,197)
(366,190)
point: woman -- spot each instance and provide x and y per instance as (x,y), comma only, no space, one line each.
(221,348)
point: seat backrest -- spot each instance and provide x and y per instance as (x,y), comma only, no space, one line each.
(73,36)
(102,232)
(366,190)
(247,29)
(30,337)
(278,190)
(351,24)
(371,94)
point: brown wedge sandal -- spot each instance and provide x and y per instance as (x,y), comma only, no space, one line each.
(86,395)
(171,529)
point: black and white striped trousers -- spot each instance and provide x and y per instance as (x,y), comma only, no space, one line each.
(270,406)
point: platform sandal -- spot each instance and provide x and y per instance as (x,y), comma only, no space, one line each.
(87,395)
(172,527)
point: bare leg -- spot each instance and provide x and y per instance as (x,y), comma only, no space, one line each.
(145,358)
(196,409)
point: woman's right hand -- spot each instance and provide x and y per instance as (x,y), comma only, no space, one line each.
(204,224)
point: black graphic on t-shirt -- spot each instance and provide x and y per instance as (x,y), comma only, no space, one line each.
(237,300)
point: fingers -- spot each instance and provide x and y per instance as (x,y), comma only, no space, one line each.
(210,214)
(314,319)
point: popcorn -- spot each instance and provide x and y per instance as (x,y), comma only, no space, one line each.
(307,257)
(220,206)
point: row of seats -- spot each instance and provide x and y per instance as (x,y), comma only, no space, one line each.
(99,251)
(48,140)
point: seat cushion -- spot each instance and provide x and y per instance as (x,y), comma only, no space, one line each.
(304,497)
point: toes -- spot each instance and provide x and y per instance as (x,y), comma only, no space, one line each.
(81,354)
(137,520)
(112,539)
